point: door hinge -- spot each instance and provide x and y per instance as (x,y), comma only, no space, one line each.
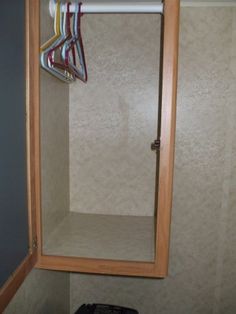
(34,243)
(156,145)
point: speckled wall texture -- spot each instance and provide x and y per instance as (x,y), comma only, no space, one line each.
(113,118)
(202,275)
(43,292)
(54,97)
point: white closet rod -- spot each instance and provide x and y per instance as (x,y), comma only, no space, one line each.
(113,7)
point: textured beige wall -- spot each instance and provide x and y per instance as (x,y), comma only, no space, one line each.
(202,275)
(43,292)
(54,139)
(113,118)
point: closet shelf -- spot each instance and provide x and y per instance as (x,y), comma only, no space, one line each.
(129,238)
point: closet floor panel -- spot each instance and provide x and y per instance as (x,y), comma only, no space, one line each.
(129,238)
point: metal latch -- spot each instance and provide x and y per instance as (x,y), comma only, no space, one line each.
(156,145)
(35,243)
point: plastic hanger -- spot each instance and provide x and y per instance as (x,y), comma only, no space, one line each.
(76,41)
(49,48)
(52,41)
(66,31)
(56,28)
(53,54)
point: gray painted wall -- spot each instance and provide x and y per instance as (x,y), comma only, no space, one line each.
(13,174)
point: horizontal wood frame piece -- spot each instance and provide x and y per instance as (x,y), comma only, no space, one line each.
(97,266)
(158,268)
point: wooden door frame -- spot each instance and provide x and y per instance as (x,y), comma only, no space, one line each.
(158,268)
(32,87)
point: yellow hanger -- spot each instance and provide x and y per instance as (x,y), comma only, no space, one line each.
(57,28)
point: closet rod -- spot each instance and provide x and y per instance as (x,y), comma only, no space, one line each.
(113,7)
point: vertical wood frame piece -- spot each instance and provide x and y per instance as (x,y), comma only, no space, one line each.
(159,267)
(167,132)
(32,100)
(31,74)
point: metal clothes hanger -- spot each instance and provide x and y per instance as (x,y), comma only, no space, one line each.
(76,41)
(49,48)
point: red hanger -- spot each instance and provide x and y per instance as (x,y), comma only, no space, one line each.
(76,42)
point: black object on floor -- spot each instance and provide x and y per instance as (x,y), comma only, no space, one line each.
(104,309)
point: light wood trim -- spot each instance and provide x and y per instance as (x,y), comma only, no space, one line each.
(168,122)
(97,266)
(158,268)
(32,89)
(36,121)
(34,115)
(11,286)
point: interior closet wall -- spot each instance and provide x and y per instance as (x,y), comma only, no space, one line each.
(99,134)
(113,118)
(202,275)
(43,292)
(54,138)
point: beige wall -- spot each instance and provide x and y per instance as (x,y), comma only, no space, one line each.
(202,276)
(113,118)
(54,139)
(43,292)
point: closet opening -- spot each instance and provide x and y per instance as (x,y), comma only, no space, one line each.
(99,168)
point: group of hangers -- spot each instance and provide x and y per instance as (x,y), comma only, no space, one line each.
(63,54)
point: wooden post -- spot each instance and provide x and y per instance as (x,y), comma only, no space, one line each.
(167,133)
